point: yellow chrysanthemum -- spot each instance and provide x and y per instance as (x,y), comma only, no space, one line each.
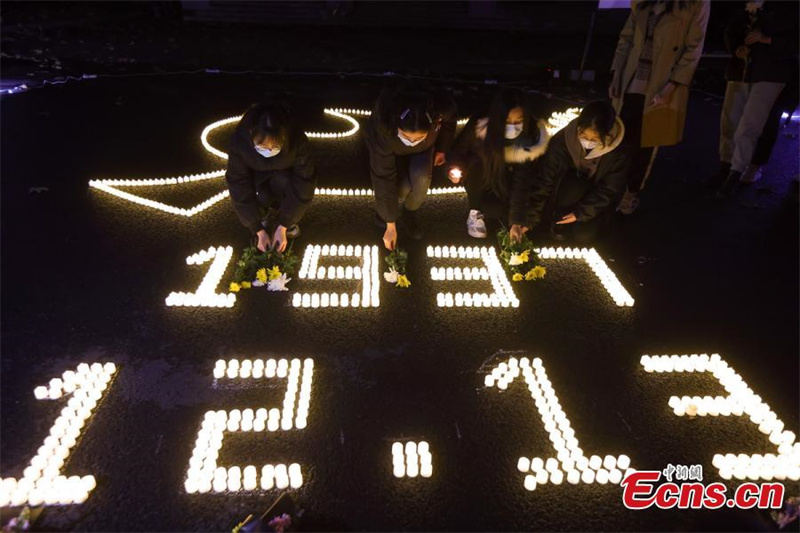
(274,272)
(234,287)
(530,275)
(246,284)
(524,256)
(538,271)
(402,281)
(517,277)
(261,275)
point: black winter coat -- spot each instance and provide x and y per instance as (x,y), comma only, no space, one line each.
(247,170)
(384,147)
(588,196)
(776,62)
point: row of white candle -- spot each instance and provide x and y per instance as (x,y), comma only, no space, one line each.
(256,368)
(234,479)
(681,363)
(42,481)
(71,380)
(570,461)
(459,274)
(758,467)
(203,256)
(333,191)
(206,295)
(60,490)
(150,182)
(98,184)
(559,119)
(340,272)
(412,460)
(563,253)
(705,406)
(740,401)
(461,252)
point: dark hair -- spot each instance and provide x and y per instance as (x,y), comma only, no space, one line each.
(409,108)
(493,149)
(600,116)
(269,120)
(670,5)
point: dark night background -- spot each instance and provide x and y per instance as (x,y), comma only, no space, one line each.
(84,275)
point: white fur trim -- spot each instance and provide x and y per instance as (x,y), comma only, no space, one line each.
(520,154)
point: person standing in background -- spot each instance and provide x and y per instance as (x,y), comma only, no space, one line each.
(762,39)
(654,63)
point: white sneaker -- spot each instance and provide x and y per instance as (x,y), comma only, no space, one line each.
(752,174)
(629,203)
(476,227)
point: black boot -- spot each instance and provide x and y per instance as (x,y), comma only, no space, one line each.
(411,224)
(730,186)
(716,180)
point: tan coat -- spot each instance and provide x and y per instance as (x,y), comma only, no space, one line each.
(677,47)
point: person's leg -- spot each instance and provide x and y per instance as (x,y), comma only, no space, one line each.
(278,187)
(768,139)
(756,110)
(732,108)
(631,116)
(420,172)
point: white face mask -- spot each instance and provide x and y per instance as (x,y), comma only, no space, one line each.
(266,152)
(513,131)
(409,143)
(588,145)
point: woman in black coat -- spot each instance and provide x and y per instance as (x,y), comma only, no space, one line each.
(494,156)
(408,133)
(582,174)
(270,166)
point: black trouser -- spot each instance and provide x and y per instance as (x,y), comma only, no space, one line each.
(787,101)
(481,197)
(631,115)
(414,173)
(272,187)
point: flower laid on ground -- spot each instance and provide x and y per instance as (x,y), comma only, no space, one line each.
(520,257)
(279,283)
(397,260)
(281,523)
(537,272)
(274,272)
(391,276)
(19,523)
(258,269)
